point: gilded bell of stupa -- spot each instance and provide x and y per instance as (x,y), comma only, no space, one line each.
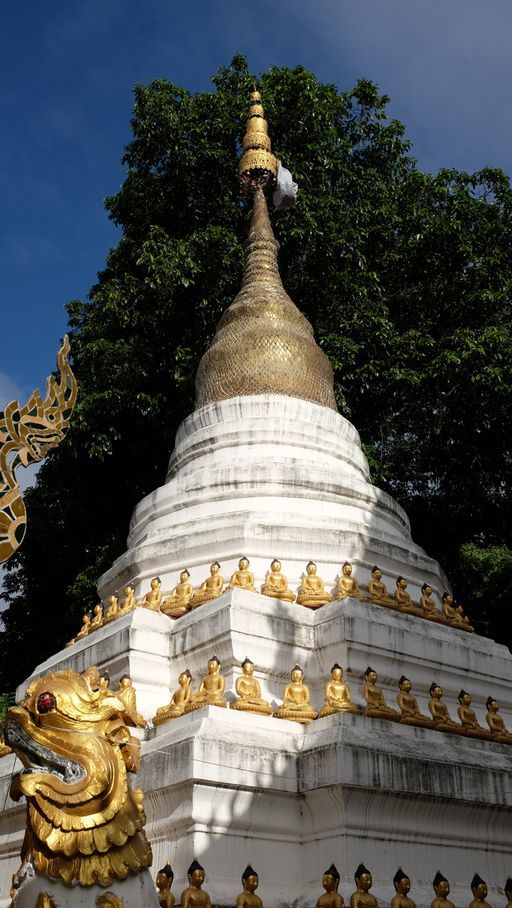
(263,344)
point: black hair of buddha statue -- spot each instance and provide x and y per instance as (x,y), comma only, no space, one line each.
(426,586)
(439,878)
(195,865)
(167,871)
(476,881)
(157,578)
(214,659)
(402,679)
(444,596)
(375,568)
(249,871)
(433,687)
(462,693)
(489,701)
(333,871)
(123,677)
(368,670)
(361,869)
(332,669)
(297,668)
(399,875)
(508,885)
(247,661)
(398,579)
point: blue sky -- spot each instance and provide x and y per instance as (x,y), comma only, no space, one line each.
(68,72)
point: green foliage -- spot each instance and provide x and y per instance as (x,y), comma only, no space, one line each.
(405,277)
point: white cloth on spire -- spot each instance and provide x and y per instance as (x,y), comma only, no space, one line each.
(285,193)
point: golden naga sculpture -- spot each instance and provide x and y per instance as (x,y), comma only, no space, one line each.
(442,891)
(180,699)
(210,588)
(154,597)
(194,896)
(27,434)
(211,689)
(402,884)
(441,718)
(178,602)
(250,883)
(295,704)
(479,890)
(428,605)
(362,897)
(331,897)
(376,706)
(243,577)
(312,592)
(468,719)
(454,613)
(249,693)
(347,584)
(128,697)
(276,584)
(163,882)
(410,713)
(378,590)
(84,822)
(497,728)
(337,695)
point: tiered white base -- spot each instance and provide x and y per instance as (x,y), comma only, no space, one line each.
(232,788)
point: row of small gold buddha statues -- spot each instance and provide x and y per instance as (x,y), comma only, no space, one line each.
(312,594)
(296,702)
(194,896)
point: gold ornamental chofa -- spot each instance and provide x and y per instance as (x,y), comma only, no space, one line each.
(26,435)
(263,344)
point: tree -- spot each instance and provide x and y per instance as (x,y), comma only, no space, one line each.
(405,277)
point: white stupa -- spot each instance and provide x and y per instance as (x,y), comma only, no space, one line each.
(267,468)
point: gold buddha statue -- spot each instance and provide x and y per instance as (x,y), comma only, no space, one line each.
(337,695)
(112,610)
(178,602)
(331,897)
(128,602)
(295,704)
(276,584)
(210,588)
(84,630)
(454,613)
(378,590)
(243,577)
(211,689)
(194,896)
(250,882)
(442,891)
(249,693)
(97,619)
(128,698)
(347,584)
(508,892)
(479,890)
(497,728)
(153,599)
(402,884)
(468,719)
(408,705)
(441,718)
(428,605)
(403,598)
(180,699)
(312,593)
(163,882)
(376,706)
(362,897)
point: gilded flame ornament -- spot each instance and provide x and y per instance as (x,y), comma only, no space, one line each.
(29,433)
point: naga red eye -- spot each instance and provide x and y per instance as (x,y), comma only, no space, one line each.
(46,702)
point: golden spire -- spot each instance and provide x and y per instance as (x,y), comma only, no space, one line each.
(263,344)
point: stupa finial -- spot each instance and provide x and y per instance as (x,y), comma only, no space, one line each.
(258,166)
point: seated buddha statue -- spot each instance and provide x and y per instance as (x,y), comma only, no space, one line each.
(112,610)
(402,884)
(468,719)
(97,618)
(497,728)
(84,630)
(163,882)
(347,584)
(128,602)
(403,598)
(153,599)
(248,897)
(194,896)
(211,689)
(177,603)
(479,890)
(442,891)
(210,588)
(276,584)
(295,704)
(128,698)
(454,613)
(331,898)
(378,590)
(408,705)
(243,577)
(362,897)
(180,700)
(441,718)
(312,592)
(376,706)
(337,695)
(428,605)
(249,693)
